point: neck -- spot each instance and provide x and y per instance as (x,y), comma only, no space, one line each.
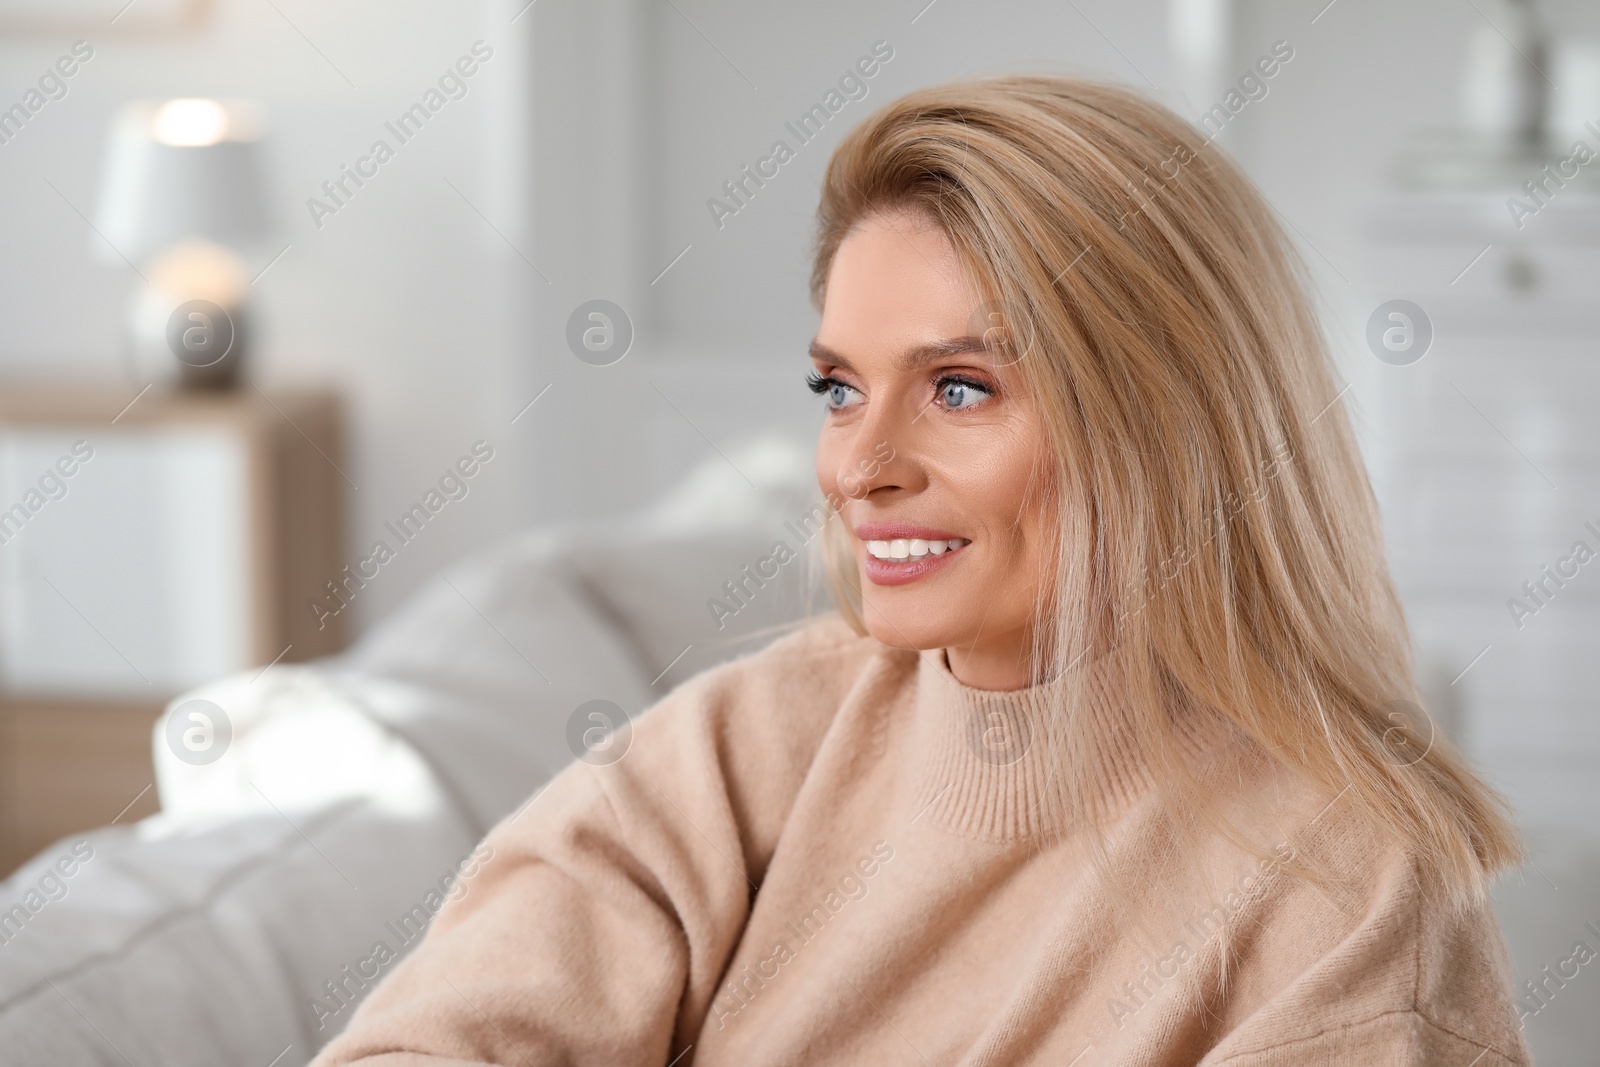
(995,666)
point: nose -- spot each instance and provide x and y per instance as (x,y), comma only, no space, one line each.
(877,465)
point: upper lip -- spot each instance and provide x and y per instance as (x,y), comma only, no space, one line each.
(898,531)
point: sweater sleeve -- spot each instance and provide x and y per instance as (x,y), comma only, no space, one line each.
(1401,980)
(598,928)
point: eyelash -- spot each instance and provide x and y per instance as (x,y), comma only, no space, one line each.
(821,383)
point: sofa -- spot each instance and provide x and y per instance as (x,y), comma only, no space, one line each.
(234,926)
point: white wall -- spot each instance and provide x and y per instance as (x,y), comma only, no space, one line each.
(620,194)
(405,300)
(592,142)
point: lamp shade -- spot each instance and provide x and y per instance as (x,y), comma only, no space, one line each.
(180,170)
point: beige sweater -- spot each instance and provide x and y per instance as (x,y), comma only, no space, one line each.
(805,858)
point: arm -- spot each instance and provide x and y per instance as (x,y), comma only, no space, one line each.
(598,929)
(1412,982)
(603,918)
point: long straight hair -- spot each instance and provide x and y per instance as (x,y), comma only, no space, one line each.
(1213,516)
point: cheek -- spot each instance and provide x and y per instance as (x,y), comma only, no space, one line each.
(1015,516)
(828,451)
(997,483)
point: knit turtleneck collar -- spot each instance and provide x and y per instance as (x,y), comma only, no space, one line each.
(986,763)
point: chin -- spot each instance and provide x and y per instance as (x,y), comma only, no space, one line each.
(906,627)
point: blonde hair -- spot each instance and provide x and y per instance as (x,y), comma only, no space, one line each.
(1213,512)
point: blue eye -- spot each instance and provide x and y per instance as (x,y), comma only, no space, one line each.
(839,395)
(956,393)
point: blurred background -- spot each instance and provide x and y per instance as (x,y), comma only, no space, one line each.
(283,282)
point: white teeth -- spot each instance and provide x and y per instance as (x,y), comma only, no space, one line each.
(912,548)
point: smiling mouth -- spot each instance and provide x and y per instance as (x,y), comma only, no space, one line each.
(912,549)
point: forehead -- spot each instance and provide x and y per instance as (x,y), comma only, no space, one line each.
(895,281)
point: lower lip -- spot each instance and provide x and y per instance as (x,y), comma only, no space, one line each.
(902,572)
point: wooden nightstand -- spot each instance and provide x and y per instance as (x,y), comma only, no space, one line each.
(146,548)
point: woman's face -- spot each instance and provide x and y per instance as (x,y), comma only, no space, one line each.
(929,450)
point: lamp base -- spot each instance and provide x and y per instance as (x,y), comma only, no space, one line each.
(224,373)
(188,326)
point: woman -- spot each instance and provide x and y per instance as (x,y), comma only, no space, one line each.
(1111,757)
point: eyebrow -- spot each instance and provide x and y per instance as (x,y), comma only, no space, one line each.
(909,360)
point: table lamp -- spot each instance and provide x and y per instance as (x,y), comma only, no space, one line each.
(180,197)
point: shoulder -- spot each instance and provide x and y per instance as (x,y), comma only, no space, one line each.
(1370,958)
(826,637)
(801,677)
(724,754)
(758,722)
